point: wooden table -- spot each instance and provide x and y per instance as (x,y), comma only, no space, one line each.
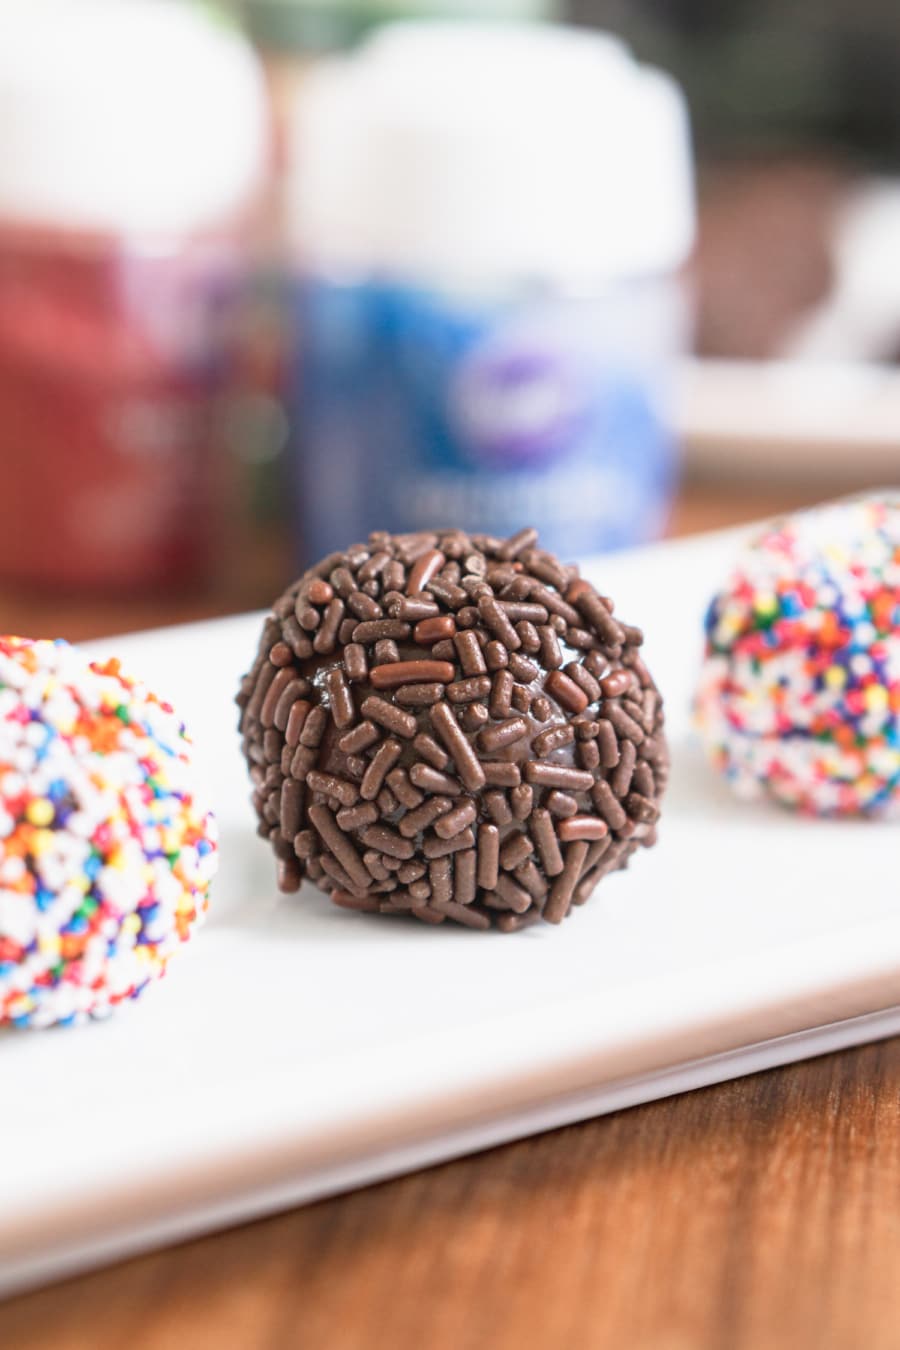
(756,1215)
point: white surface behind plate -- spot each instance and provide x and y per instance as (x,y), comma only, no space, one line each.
(295,1049)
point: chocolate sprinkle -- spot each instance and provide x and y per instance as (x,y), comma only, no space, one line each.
(452,727)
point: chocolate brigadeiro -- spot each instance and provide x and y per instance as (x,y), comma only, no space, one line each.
(454,727)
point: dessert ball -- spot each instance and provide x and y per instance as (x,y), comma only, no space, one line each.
(799,696)
(453,727)
(105,854)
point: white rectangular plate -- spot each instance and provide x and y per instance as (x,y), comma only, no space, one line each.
(296,1049)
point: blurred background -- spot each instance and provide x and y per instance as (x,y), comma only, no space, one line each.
(277,272)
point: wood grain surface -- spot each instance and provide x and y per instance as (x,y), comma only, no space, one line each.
(761,1214)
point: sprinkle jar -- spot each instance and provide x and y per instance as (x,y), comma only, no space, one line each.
(489,223)
(123,244)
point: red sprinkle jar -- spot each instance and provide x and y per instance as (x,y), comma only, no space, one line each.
(111,363)
(133,148)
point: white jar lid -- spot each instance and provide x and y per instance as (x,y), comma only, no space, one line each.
(492,151)
(126,115)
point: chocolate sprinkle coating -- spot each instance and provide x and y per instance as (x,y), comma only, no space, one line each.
(468,733)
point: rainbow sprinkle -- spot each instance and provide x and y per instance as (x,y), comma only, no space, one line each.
(105,857)
(799,696)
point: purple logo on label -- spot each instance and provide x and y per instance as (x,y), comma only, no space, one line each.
(516,407)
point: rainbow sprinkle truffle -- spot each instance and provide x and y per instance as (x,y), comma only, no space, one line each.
(105,857)
(799,696)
